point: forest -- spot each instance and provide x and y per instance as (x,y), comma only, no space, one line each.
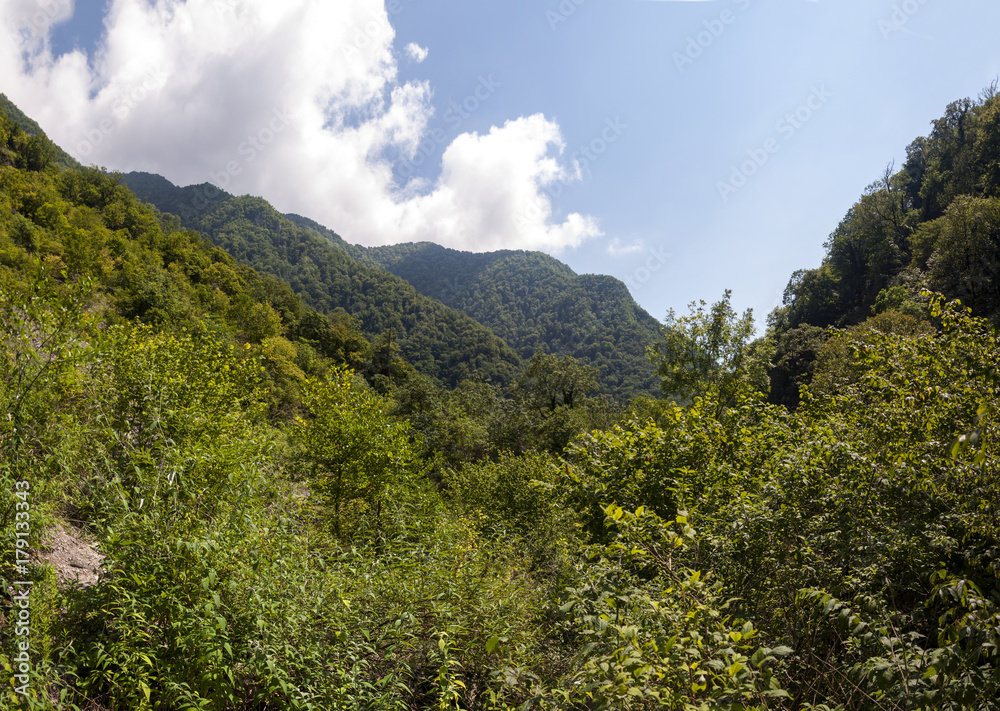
(435,301)
(295,510)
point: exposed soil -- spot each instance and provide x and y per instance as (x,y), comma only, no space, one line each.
(73,557)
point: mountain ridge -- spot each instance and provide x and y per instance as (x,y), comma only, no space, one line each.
(438,341)
(534,301)
(528,300)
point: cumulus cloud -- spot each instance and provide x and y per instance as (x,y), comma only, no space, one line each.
(416,53)
(299,102)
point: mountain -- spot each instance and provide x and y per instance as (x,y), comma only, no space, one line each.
(452,315)
(31,128)
(437,340)
(528,299)
(933,225)
(80,231)
(534,301)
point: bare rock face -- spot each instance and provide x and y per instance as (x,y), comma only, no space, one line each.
(74,558)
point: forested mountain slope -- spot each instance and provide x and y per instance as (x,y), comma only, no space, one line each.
(528,299)
(534,301)
(80,230)
(439,341)
(31,127)
(932,225)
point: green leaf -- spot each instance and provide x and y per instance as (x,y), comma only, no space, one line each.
(956,447)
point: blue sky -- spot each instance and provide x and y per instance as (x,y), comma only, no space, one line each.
(685,147)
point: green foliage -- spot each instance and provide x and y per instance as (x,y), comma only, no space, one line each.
(167,459)
(866,494)
(657,634)
(932,224)
(176,419)
(435,339)
(897,666)
(352,453)
(897,298)
(514,495)
(552,393)
(836,365)
(40,352)
(536,303)
(335,336)
(684,457)
(795,356)
(544,411)
(710,352)
(550,382)
(170,644)
(30,127)
(470,423)
(963,262)
(145,267)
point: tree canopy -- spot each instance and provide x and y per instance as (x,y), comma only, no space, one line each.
(710,351)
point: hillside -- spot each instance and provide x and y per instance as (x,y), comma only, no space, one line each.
(528,299)
(31,127)
(63,228)
(438,341)
(932,225)
(533,301)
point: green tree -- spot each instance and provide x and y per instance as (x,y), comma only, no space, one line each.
(335,336)
(964,262)
(551,381)
(794,362)
(711,351)
(352,451)
(552,392)
(836,365)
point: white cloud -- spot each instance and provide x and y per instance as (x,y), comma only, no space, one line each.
(210,89)
(617,249)
(416,53)
(491,190)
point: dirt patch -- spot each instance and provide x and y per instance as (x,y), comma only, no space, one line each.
(73,557)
